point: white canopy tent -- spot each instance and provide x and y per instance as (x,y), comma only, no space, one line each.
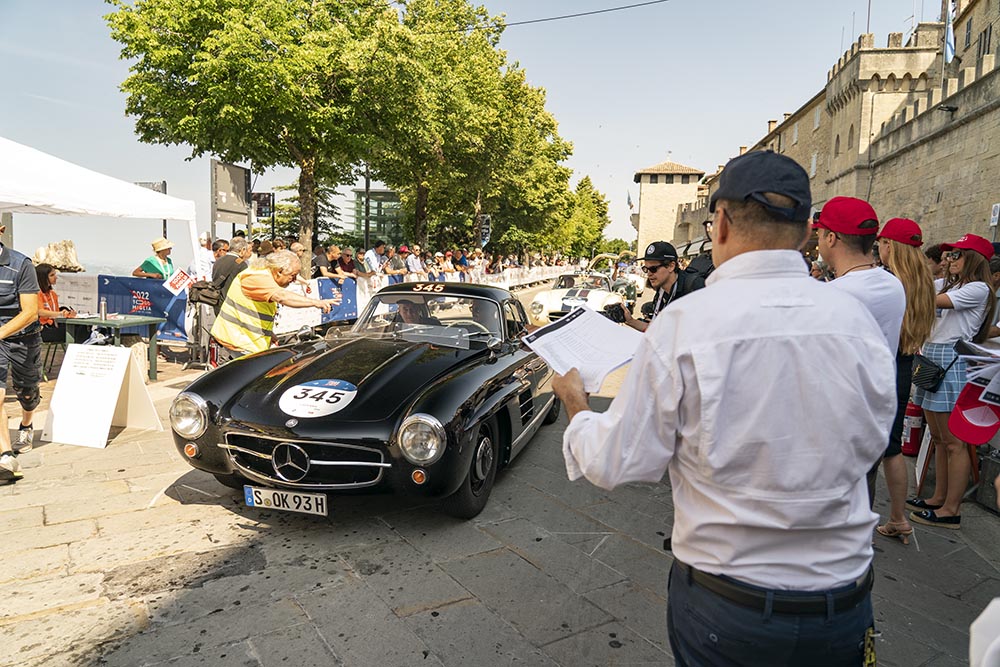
(34,182)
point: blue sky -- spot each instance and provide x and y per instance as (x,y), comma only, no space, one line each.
(685,81)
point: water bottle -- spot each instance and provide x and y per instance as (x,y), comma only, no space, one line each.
(102,312)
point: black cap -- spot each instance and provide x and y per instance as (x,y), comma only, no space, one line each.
(660,251)
(750,175)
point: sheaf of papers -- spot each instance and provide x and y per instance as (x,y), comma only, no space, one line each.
(586,341)
(983,370)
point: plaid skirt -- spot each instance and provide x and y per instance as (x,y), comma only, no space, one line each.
(942,400)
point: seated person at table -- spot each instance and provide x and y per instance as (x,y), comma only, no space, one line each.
(48,305)
(159,264)
(414,312)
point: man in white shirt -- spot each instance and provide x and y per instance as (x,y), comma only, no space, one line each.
(375,257)
(204,258)
(847,228)
(767,458)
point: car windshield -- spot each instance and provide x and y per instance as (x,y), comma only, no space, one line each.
(441,319)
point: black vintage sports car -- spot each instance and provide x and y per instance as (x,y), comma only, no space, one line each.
(427,395)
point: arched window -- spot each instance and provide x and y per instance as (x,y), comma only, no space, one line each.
(836,146)
(850,138)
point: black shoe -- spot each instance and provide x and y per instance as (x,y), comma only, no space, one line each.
(919,504)
(929,518)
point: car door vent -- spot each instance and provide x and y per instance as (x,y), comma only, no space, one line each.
(527,406)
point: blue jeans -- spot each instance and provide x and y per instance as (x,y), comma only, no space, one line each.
(708,629)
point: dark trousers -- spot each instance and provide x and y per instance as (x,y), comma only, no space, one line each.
(904,378)
(706,629)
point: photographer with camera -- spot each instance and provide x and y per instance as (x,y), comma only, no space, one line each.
(665,276)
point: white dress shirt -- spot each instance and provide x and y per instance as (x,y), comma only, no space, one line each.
(768,396)
(201,265)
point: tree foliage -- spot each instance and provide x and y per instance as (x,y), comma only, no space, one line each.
(417,90)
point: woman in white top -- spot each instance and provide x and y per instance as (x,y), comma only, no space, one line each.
(965,306)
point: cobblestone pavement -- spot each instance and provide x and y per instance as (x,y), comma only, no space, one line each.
(128,557)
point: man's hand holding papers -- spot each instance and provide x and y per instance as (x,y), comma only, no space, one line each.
(586,341)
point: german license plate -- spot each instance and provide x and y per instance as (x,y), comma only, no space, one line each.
(287,501)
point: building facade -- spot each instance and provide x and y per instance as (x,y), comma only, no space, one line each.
(662,189)
(897,127)
(384,214)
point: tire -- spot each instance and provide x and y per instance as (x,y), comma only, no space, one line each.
(553,413)
(471,497)
(232,481)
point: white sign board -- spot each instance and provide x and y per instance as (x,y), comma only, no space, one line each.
(925,448)
(289,320)
(995,215)
(98,386)
(78,291)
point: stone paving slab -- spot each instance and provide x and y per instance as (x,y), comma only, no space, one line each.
(362,630)
(542,609)
(467,633)
(605,645)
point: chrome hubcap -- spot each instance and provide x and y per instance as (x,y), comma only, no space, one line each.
(484,458)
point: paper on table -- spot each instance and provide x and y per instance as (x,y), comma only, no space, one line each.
(586,341)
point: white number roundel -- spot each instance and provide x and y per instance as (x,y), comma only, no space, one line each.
(317,398)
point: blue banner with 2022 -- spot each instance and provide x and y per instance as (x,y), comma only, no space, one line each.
(142,296)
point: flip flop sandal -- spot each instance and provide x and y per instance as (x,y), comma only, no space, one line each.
(919,504)
(929,518)
(892,529)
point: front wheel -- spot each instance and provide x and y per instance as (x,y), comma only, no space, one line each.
(471,497)
(553,414)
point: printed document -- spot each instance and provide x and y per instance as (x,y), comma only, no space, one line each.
(586,341)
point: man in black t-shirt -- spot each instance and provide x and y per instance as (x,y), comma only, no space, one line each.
(228,266)
(665,276)
(20,353)
(320,261)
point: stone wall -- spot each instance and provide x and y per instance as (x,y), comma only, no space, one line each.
(658,204)
(936,165)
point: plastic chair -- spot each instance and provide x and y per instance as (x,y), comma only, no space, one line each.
(49,351)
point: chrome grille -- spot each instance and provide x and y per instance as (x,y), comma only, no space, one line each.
(332,465)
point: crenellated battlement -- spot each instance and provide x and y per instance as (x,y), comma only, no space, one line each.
(936,109)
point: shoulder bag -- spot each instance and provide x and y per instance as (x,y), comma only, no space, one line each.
(928,375)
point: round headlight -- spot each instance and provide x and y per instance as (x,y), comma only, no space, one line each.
(536,308)
(189,415)
(422,439)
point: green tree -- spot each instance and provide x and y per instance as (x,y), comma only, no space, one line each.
(272,82)
(326,214)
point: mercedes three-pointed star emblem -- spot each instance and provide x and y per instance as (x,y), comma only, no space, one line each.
(290,462)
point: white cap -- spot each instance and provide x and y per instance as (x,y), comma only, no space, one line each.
(204,236)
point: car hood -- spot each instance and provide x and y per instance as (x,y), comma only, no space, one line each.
(386,373)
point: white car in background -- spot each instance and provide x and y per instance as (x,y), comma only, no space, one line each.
(569,291)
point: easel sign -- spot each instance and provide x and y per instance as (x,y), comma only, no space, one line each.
(98,386)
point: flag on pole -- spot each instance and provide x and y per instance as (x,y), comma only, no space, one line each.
(628,195)
(949,34)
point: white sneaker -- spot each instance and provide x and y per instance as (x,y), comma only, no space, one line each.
(24,438)
(10,469)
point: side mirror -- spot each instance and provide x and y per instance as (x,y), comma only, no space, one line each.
(493,344)
(305,334)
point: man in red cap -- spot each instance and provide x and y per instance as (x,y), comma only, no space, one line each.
(847,229)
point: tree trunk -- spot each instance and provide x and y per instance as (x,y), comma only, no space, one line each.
(420,216)
(307,210)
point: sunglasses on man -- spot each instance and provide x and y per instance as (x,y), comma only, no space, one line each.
(651,269)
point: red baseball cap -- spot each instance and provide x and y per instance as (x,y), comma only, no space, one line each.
(902,230)
(971,242)
(844,215)
(447,253)
(973,421)
(403,248)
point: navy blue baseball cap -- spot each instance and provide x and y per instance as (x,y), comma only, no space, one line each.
(750,175)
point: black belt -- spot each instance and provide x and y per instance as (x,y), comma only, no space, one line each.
(747,596)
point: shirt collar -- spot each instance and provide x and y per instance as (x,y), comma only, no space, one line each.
(761,264)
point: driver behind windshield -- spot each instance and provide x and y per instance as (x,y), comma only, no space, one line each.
(414,312)
(486,313)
